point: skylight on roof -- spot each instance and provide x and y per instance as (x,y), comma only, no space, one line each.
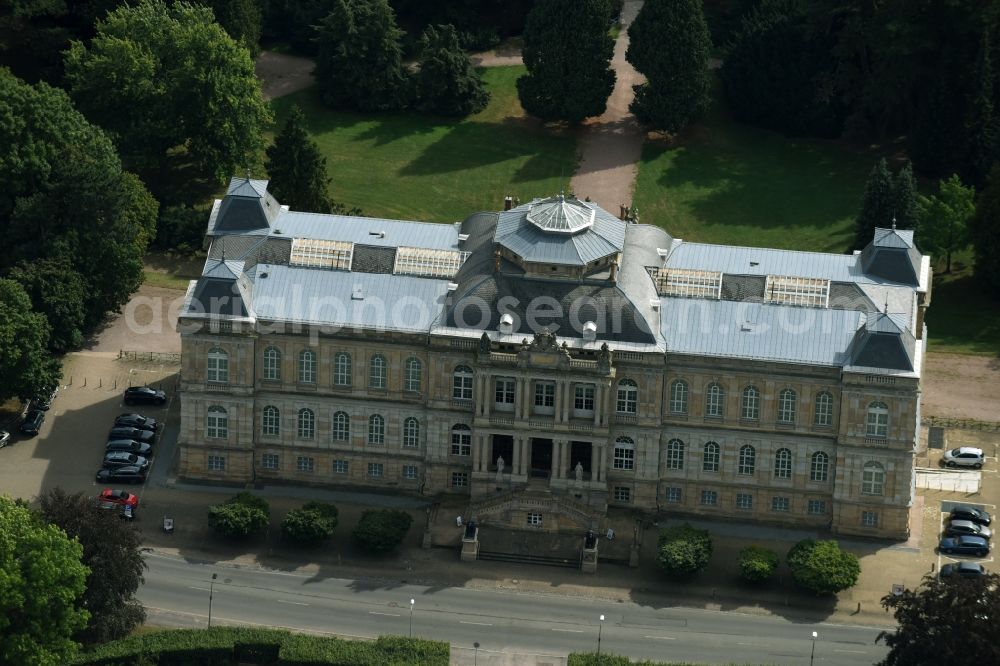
(787,290)
(688,283)
(313,253)
(428,262)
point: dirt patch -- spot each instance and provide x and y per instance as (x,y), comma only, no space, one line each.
(282,74)
(958,386)
(148,322)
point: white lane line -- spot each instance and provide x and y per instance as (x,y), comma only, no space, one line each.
(570,631)
(387,614)
(297,603)
(481,624)
(203,589)
(852,651)
(662,638)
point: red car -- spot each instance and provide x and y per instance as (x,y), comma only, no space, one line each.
(121,497)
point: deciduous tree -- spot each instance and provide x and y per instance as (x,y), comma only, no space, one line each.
(447,84)
(311,524)
(945,218)
(57,291)
(26,365)
(684,550)
(240,516)
(821,566)
(382,530)
(757,563)
(985,233)
(567,51)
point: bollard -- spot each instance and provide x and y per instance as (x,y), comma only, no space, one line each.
(70,381)
(100,382)
(116,383)
(84,381)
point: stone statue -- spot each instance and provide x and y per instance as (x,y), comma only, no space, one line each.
(500,466)
(484,343)
(578,470)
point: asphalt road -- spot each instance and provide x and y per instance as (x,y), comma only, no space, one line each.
(176,593)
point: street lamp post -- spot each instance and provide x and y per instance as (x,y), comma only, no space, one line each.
(600,629)
(412,601)
(475,659)
(211,592)
(812,655)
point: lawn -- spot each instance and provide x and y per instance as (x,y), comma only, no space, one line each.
(962,317)
(723,182)
(413,166)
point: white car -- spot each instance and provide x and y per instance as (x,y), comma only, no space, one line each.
(4,438)
(964,456)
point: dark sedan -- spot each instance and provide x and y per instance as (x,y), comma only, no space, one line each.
(129,446)
(144,395)
(121,475)
(965,545)
(969,512)
(960,527)
(136,421)
(32,422)
(124,459)
(125,432)
(963,570)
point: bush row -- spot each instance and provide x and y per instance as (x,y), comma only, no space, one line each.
(604,659)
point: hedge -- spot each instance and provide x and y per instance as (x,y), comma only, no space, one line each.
(605,659)
(219,645)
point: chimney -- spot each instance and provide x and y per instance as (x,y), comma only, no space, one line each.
(622,212)
(508,202)
(506,324)
(590,331)
(614,272)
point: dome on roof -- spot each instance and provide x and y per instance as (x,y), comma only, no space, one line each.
(560,215)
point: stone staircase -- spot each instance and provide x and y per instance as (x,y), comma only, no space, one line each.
(535,496)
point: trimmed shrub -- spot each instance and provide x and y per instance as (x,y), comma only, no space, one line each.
(684,550)
(380,531)
(757,563)
(605,659)
(821,566)
(311,524)
(240,516)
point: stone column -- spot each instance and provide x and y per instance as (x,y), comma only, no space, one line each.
(567,446)
(557,452)
(516,455)
(602,473)
(526,399)
(487,395)
(595,461)
(525,455)
(557,404)
(568,392)
(598,405)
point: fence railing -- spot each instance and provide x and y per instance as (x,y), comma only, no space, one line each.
(173,358)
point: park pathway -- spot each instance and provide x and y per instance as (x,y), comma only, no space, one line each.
(281,74)
(611,144)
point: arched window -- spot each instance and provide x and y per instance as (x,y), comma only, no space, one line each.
(217,423)
(679,397)
(376,429)
(628,397)
(783,464)
(307,366)
(872,479)
(819,467)
(218,366)
(411,432)
(461,440)
(750,406)
(824,409)
(377,372)
(342,371)
(307,424)
(748,460)
(414,375)
(786,406)
(272,364)
(675,454)
(461,387)
(714,400)
(624,457)
(710,457)
(270,421)
(878,420)
(341,430)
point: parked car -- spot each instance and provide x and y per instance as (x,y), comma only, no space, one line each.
(136,421)
(960,527)
(125,432)
(144,395)
(962,570)
(124,459)
(4,438)
(32,423)
(125,511)
(965,545)
(127,474)
(964,456)
(129,446)
(118,496)
(968,512)
(43,400)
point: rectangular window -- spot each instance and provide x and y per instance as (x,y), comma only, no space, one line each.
(305,464)
(216,463)
(545,397)
(674,495)
(816,507)
(218,367)
(623,494)
(869,518)
(624,458)
(780,504)
(709,497)
(375,470)
(461,441)
(340,467)
(583,400)
(535,519)
(269,461)
(744,501)
(459,479)
(504,400)
(410,472)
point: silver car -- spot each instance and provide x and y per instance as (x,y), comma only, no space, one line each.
(961,527)
(4,438)
(964,456)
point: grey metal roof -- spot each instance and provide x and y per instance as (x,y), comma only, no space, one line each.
(898,238)
(560,215)
(606,236)
(883,342)
(218,296)
(327,298)
(897,264)
(246,187)
(367,230)
(737,260)
(760,331)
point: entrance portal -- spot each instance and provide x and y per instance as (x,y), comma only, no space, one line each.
(503,447)
(541,458)
(580,453)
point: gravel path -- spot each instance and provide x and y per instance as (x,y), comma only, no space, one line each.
(282,74)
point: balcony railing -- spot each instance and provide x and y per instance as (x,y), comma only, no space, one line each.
(630,419)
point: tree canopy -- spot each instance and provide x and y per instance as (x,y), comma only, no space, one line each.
(58,292)
(985,232)
(945,218)
(381,530)
(163,78)
(567,52)
(684,550)
(297,168)
(42,582)
(669,44)
(877,205)
(821,566)
(240,516)
(447,84)
(310,525)
(112,550)
(26,366)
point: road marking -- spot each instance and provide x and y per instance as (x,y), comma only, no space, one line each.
(662,638)
(387,614)
(297,603)
(570,631)
(852,651)
(203,589)
(481,624)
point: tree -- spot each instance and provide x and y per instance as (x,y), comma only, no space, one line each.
(242,20)
(190,91)
(58,292)
(669,45)
(112,550)
(757,563)
(360,60)
(945,218)
(42,581)
(944,621)
(904,199)
(381,530)
(684,550)
(985,232)
(877,204)
(567,52)
(821,566)
(240,516)
(26,366)
(310,525)
(297,168)
(447,84)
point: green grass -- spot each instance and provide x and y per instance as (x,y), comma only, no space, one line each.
(413,166)
(962,318)
(164,280)
(723,182)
